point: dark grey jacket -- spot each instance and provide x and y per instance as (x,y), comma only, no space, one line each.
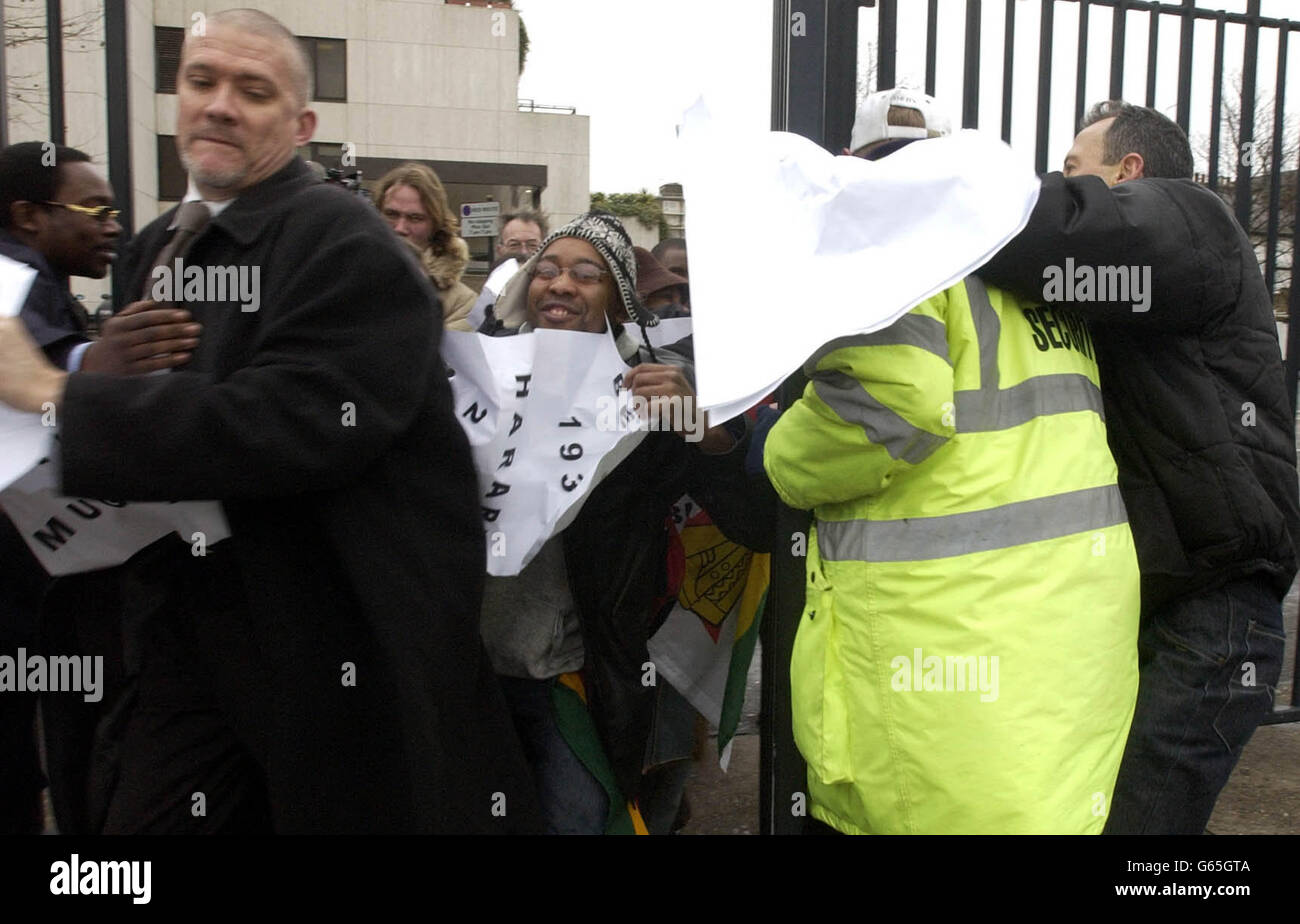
(1196,408)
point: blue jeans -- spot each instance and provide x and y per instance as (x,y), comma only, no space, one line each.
(573,801)
(1209,664)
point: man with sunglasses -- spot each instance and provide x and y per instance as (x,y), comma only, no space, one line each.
(57,216)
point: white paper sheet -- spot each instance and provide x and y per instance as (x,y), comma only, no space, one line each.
(792,247)
(667,331)
(541,412)
(69,535)
(492,287)
(23,440)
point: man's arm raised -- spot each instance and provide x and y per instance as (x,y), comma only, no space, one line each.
(1167,244)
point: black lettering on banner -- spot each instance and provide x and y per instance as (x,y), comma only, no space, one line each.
(1040,340)
(474,417)
(571,422)
(571,452)
(523,380)
(507,458)
(569,485)
(518,422)
(498,489)
(491,513)
(618,382)
(84,509)
(58,534)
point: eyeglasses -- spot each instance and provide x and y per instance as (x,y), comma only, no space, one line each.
(101,213)
(528,246)
(584,274)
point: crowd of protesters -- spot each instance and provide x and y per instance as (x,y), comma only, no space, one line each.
(1068,500)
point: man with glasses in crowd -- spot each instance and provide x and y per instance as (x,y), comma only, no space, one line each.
(57,217)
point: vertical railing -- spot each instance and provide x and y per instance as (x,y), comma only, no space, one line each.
(970,97)
(1244,192)
(1045,27)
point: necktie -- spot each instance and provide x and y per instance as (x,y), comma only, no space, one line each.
(191,219)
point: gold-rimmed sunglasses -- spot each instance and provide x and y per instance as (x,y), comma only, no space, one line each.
(100,213)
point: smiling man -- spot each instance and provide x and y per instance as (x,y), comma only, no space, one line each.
(321,670)
(584,606)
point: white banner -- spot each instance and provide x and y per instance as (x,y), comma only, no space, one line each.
(23,439)
(547,420)
(491,289)
(667,331)
(854,244)
(73,534)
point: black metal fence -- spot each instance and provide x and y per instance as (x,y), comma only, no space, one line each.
(814,93)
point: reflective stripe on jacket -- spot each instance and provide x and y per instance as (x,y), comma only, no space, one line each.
(967,656)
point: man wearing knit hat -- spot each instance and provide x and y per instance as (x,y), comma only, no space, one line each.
(577,617)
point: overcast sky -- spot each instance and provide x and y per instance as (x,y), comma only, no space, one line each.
(635,65)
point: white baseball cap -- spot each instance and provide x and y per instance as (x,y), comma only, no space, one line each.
(872,122)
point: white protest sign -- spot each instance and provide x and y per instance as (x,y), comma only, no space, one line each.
(491,288)
(69,535)
(855,244)
(24,440)
(546,420)
(666,332)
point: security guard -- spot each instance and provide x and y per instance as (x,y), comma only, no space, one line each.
(966,659)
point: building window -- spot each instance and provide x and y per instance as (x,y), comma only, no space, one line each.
(325,153)
(171,175)
(328,59)
(166,57)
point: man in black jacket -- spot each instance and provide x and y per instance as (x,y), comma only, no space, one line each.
(321,670)
(1202,431)
(584,604)
(57,217)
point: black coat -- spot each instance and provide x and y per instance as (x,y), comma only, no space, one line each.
(356,543)
(1196,409)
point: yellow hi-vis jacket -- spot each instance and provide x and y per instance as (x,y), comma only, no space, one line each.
(967,656)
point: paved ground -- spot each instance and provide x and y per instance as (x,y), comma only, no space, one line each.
(1262,797)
